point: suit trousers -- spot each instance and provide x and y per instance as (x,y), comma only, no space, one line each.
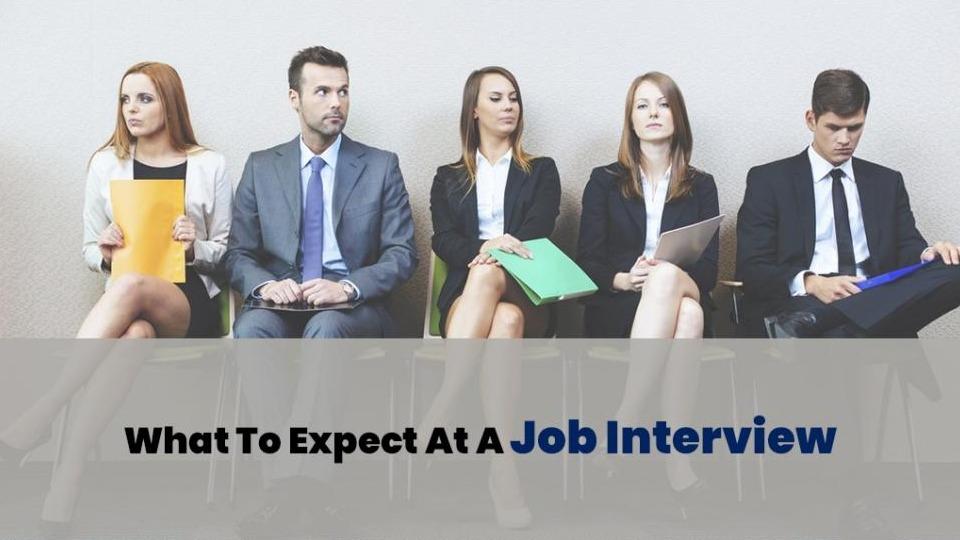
(898,309)
(304,391)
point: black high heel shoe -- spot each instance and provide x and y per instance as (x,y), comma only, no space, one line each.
(9,454)
(693,499)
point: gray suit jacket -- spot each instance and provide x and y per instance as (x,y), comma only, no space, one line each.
(371,215)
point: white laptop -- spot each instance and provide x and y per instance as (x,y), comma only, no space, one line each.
(684,246)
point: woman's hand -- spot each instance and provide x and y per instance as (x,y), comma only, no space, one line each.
(185,232)
(508,244)
(110,239)
(483,258)
(636,278)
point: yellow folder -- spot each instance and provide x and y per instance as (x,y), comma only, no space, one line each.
(145,211)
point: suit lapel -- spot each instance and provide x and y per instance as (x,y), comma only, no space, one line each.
(349,167)
(287,167)
(637,211)
(515,180)
(868,207)
(806,206)
(670,216)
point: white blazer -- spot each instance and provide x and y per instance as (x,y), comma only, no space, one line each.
(207,192)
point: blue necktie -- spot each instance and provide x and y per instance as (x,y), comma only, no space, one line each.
(312,239)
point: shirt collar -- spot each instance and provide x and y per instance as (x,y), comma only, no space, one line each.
(666,175)
(329,155)
(506,158)
(821,168)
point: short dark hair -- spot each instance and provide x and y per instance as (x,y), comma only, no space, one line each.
(840,91)
(313,55)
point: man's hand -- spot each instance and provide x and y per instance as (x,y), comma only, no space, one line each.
(948,252)
(830,289)
(287,291)
(319,292)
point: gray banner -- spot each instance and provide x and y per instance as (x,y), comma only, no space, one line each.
(438,439)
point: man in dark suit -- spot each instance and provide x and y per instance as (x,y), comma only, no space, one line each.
(813,226)
(318,220)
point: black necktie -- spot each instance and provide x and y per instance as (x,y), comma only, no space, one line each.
(841,224)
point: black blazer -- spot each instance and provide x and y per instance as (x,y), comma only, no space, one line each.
(531,206)
(776,227)
(613,229)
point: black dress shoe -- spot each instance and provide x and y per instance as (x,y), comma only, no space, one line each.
(859,521)
(799,324)
(276,520)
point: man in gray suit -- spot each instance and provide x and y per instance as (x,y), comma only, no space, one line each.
(321,219)
(318,220)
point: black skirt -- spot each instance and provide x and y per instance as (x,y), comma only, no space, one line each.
(204,311)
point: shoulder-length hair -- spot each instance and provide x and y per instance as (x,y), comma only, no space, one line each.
(470,129)
(176,114)
(681,144)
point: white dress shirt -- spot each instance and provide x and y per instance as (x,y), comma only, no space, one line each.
(825,257)
(654,199)
(491,187)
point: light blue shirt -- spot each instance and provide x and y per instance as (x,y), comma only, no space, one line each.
(332,259)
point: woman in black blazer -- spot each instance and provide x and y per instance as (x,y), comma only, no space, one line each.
(626,205)
(494,196)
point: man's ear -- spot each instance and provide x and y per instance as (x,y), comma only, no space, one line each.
(810,119)
(294,99)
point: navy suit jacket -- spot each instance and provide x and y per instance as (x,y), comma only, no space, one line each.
(613,229)
(776,227)
(531,205)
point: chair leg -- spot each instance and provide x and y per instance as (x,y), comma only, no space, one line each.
(391,412)
(412,407)
(736,425)
(580,458)
(236,422)
(908,416)
(884,408)
(756,411)
(217,422)
(564,458)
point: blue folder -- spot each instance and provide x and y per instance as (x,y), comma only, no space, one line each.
(894,275)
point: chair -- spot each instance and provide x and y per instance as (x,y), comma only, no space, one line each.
(893,371)
(436,276)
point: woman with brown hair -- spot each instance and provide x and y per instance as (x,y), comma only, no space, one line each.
(495,196)
(650,189)
(153,139)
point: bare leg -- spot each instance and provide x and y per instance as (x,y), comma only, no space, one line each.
(104,393)
(472,314)
(659,307)
(133,297)
(499,390)
(681,379)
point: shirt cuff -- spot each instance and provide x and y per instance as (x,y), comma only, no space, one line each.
(354,285)
(797,288)
(255,294)
(929,248)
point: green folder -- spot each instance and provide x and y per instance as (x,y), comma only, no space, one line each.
(550,276)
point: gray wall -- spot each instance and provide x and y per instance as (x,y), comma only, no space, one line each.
(746,69)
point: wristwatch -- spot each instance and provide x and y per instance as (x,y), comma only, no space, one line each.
(351,291)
